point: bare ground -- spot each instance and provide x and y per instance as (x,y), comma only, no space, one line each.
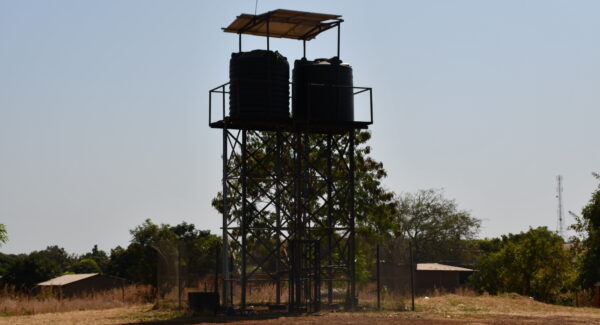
(449,309)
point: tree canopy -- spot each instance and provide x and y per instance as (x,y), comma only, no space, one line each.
(85,265)
(588,243)
(3,234)
(532,263)
(437,228)
(139,262)
(99,257)
(28,270)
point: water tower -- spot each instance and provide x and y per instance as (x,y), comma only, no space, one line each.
(288,175)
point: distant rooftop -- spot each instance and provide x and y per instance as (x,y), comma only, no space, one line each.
(66,279)
(283,23)
(440,267)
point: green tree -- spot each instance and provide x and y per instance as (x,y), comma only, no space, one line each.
(85,265)
(437,228)
(3,234)
(5,261)
(60,256)
(28,270)
(532,263)
(123,262)
(140,260)
(98,256)
(587,243)
(198,247)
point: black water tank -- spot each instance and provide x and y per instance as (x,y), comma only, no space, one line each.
(259,85)
(322,91)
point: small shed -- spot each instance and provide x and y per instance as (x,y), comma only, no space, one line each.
(70,285)
(429,276)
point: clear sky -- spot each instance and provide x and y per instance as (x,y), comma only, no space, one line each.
(103,108)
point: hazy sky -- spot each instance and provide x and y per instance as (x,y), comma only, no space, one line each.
(103,108)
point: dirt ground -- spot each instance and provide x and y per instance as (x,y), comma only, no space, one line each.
(448,309)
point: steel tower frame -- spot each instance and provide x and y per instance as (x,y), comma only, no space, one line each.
(288,213)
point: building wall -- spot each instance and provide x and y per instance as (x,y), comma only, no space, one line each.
(93,284)
(427,281)
(397,279)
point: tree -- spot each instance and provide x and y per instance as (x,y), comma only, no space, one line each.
(139,262)
(533,263)
(28,270)
(437,228)
(587,244)
(85,265)
(24,271)
(99,257)
(60,256)
(3,235)
(5,261)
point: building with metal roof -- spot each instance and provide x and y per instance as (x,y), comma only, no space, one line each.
(70,285)
(428,277)
(441,267)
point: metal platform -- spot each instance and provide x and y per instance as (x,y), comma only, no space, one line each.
(282,124)
(288,125)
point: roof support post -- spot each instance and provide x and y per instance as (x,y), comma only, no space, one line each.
(338,40)
(304,48)
(268,34)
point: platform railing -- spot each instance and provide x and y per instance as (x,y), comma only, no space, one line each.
(224,90)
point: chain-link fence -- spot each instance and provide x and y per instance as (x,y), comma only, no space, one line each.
(393,276)
(181,270)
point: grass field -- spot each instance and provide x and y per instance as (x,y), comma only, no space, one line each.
(447,309)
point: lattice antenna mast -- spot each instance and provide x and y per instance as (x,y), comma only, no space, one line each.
(559,190)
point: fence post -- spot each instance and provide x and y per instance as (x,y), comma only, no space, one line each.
(412,276)
(179,292)
(216,283)
(378,280)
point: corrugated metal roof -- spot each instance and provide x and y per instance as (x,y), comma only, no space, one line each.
(440,267)
(66,279)
(284,23)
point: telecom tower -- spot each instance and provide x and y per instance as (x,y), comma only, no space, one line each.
(559,190)
(288,181)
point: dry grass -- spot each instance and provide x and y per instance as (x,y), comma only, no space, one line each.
(465,307)
(504,304)
(121,315)
(448,309)
(12,303)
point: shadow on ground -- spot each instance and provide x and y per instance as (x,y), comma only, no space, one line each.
(219,319)
(380,319)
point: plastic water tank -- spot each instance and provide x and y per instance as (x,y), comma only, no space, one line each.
(259,85)
(322,91)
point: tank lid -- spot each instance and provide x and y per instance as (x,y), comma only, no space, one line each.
(333,61)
